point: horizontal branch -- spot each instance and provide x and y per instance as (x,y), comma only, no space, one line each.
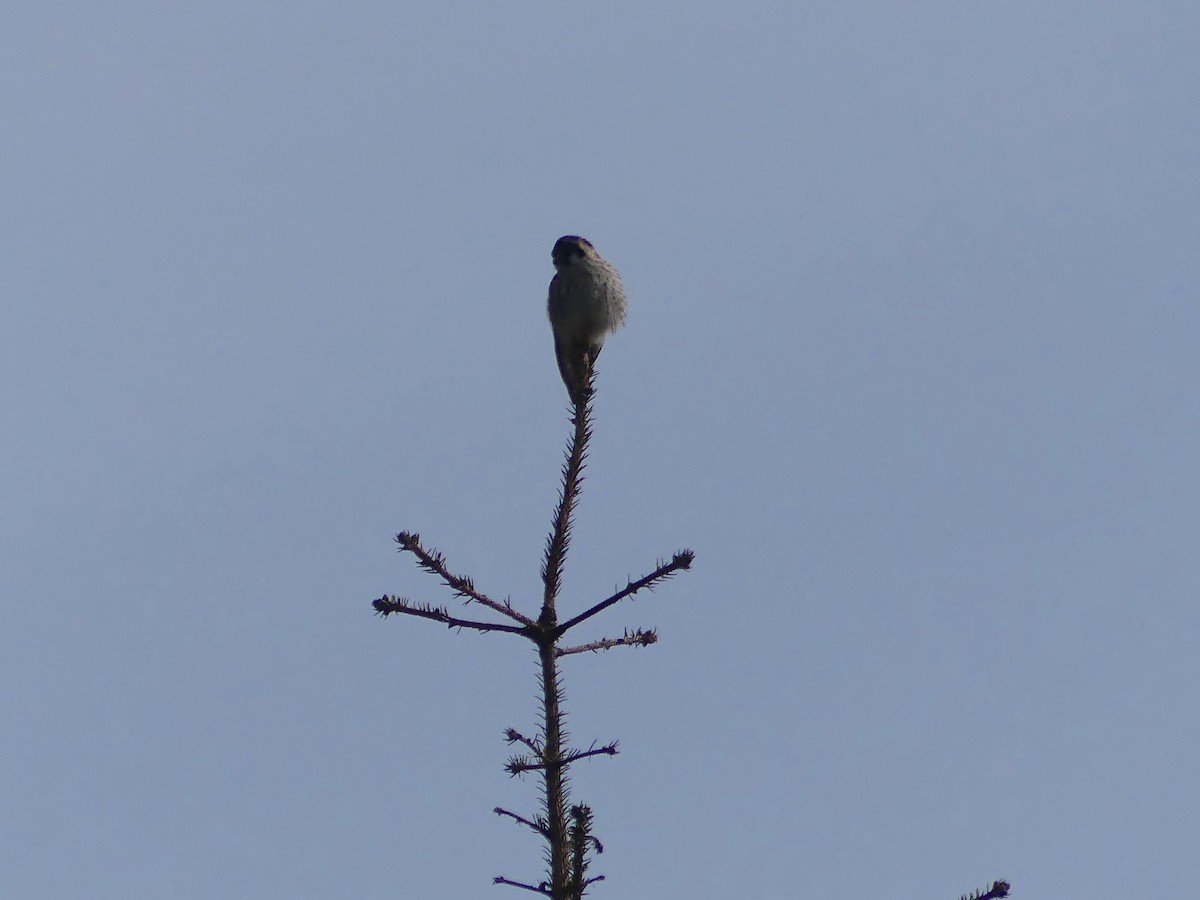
(606,750)
(387,606)
(519,765)
(543,888)
(639,638)
(681,560)
(433,561)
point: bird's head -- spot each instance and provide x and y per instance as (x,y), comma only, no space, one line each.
(569,248)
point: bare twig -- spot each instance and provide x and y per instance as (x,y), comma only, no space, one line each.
(435,563)
(681,560)
(539,827)
(606,750)
(387,606)
(639,638)
(519,765)
(512,736)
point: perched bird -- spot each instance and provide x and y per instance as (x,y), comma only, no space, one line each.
(587,302)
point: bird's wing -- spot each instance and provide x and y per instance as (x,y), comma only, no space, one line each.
(555,299)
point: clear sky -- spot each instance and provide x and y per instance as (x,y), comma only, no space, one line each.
(911,363)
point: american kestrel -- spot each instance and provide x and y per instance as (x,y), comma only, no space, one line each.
(587,302)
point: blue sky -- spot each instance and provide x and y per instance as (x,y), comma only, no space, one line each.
(911,364)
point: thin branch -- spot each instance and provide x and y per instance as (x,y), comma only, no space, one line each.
(539,828)
(606,750)
(512,736)
(639,638)
(519,765)
(681,560)
(543,888)
(387,606)
(432,561)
